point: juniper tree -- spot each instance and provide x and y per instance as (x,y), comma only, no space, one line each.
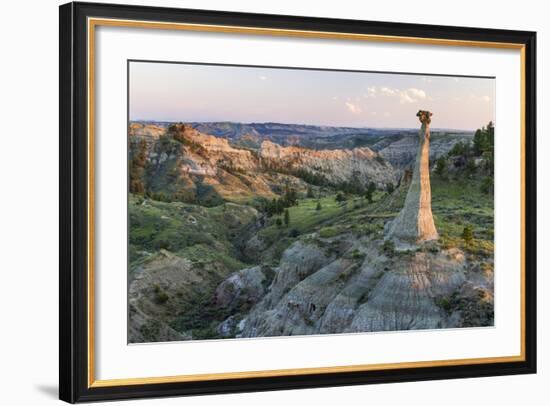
(371,188)
(287,218)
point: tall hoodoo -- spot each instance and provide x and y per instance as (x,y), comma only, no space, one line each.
(415,222)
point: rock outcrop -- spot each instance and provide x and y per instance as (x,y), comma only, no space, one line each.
(243,288)
(145,130)
(314,292)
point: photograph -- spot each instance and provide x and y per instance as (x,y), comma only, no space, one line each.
(288,201)
(274,203)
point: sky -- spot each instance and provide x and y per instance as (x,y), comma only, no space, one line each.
(205,93)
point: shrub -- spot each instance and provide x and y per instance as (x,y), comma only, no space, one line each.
(434,249)
(160,197)
(162,244)
(446,242)
(340,197)
(160,296)
(368,229)
(388,247)
(293,233)
(460,148)
(470,167)
(371,188)
(468,234)
(356,254)
(444,303)
(318,207)
(327,232)
(441,167)
(487,185)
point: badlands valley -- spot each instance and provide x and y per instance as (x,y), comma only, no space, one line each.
(254,230)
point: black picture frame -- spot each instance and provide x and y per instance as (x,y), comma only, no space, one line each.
(74,199)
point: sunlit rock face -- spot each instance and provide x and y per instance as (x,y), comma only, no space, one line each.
(415,221)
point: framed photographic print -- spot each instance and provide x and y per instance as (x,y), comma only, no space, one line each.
(257,202)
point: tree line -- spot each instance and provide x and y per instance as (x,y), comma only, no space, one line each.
(464,156)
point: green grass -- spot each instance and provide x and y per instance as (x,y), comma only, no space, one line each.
(460,203)
(353,215)
(201,254)
(331,231)
(306,219)
(177,226)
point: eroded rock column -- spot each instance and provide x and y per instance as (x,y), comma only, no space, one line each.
(415,221)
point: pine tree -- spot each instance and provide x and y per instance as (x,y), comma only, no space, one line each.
(287,218)
(470,167)
(371,188)
(441,166)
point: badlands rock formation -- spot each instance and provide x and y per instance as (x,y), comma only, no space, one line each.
(338,165)
(320,291)
(184,159)
(415,221)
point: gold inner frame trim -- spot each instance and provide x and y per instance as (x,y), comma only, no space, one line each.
(94,22)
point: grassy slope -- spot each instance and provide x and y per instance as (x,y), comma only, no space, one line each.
(457,203)
(195,232)
(353,215)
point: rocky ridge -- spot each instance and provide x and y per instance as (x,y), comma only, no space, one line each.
(183,156)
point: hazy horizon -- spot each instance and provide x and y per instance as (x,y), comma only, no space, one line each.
(138,120)
(174,92)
